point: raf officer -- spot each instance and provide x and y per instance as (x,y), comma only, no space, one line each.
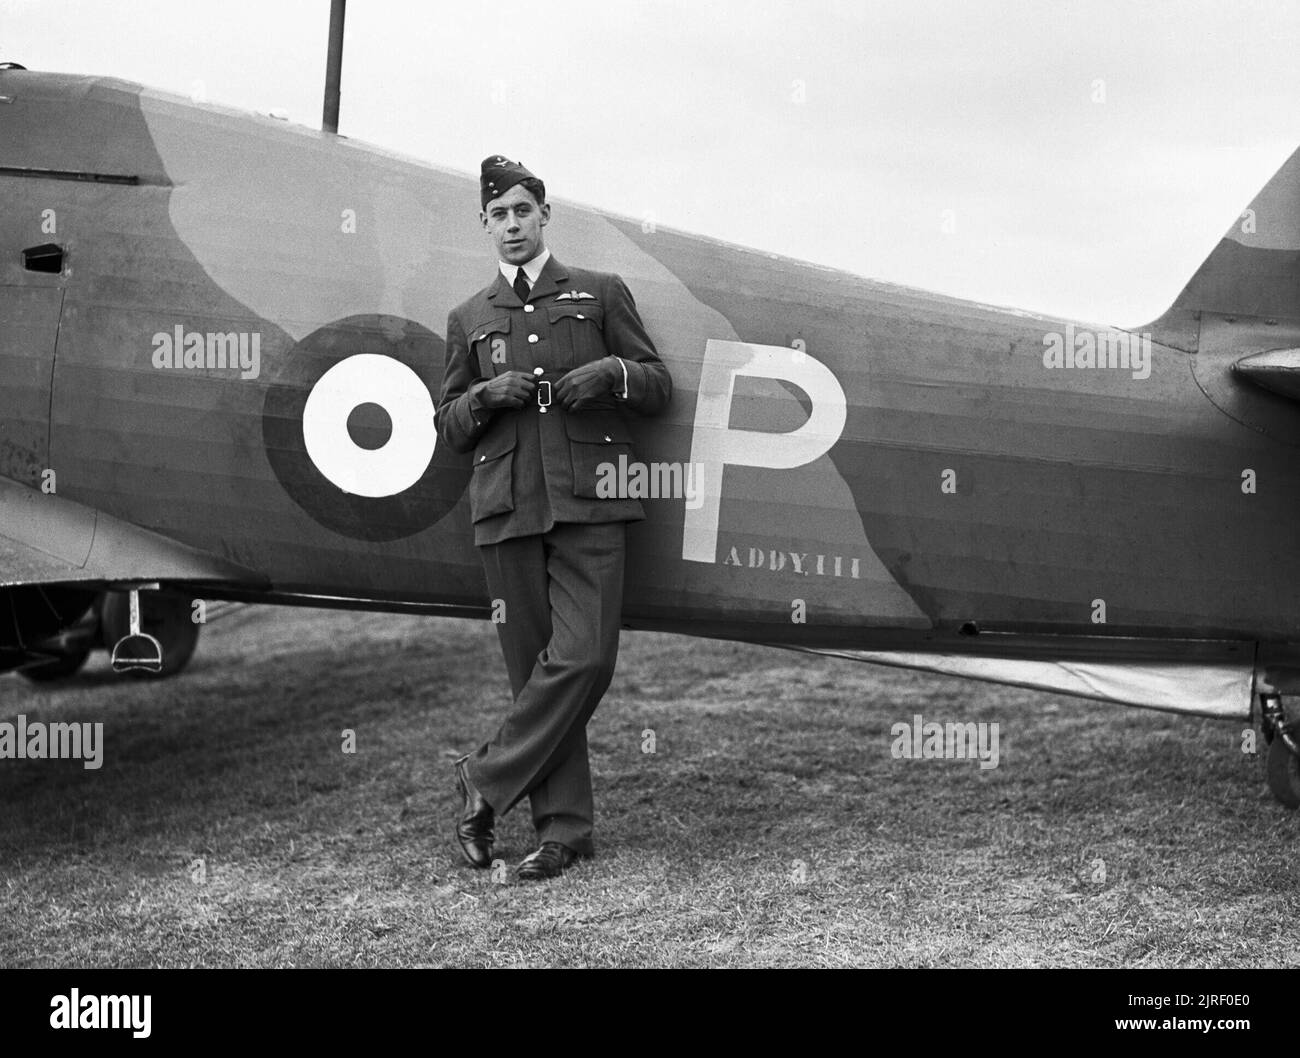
(543,366)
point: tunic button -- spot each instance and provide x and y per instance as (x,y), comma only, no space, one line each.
(607,438)
(528,308)
(532,338)
(482,459)
(581,316)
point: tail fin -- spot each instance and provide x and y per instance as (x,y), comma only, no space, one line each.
(1254,271)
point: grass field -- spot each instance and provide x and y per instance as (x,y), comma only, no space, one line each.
(770,826)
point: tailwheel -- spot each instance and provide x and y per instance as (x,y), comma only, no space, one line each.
(1283,751)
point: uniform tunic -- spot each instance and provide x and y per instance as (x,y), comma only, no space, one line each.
(534,469)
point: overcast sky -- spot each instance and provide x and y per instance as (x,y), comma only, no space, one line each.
(1084,156)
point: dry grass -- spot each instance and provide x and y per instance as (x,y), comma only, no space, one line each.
(764,760)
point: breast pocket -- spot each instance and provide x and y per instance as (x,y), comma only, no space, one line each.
(596,441)
(491,344)
(491,490)
(576,332)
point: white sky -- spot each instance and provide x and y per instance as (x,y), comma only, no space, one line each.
(688,110)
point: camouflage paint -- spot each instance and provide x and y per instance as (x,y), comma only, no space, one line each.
(1069,486)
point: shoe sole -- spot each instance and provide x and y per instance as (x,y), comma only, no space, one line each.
(540,877)
(468,859)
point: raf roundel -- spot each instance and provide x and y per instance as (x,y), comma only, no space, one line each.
(348,427)
(401,460)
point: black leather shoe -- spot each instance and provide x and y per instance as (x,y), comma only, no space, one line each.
(548,862)
(475,831)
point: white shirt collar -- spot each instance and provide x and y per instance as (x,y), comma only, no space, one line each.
(532,269)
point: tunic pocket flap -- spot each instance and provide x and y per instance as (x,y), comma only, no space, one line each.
(498,326)
(494,445)
(575,310)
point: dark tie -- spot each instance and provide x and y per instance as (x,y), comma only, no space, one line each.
(521,285)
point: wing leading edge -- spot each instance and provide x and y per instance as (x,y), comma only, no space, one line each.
(47,539)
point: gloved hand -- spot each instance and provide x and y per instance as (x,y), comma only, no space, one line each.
(590,386)
(513,389)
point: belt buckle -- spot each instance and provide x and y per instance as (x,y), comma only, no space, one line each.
(542,405)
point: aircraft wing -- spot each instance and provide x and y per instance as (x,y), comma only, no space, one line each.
(47,539)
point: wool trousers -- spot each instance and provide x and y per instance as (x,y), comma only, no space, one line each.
(561,599)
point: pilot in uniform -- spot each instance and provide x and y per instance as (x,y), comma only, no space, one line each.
(543,365)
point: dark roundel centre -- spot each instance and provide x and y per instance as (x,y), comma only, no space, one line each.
(370,426)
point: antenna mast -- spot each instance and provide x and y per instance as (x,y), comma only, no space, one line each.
(334,67)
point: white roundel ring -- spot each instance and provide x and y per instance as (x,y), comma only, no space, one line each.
(368,378)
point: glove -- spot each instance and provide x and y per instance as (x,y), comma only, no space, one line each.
(590,386)
(513,389)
